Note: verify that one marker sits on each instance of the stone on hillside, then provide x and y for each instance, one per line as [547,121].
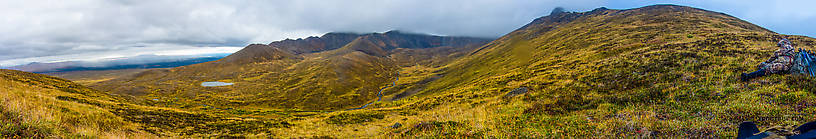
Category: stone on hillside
[396,125]
[517,91]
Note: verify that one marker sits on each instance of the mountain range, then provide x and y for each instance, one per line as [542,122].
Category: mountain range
[661,71]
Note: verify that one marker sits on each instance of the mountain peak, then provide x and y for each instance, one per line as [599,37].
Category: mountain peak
[557,10]
[256,52]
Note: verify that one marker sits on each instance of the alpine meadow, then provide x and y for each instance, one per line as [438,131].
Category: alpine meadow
[658,71]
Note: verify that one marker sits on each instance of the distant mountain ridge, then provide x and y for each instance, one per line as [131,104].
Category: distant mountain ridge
[109,65]
[373,44]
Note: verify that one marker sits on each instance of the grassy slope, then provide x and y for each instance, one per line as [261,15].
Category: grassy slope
[33,105]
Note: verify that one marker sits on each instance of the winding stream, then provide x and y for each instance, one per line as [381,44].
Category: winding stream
[379,94]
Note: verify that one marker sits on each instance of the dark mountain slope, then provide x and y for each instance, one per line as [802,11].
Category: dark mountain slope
[329,41]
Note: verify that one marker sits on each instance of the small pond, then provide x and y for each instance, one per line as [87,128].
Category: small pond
[213,84]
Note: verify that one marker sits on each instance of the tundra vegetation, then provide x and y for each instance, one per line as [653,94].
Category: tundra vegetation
[656,71]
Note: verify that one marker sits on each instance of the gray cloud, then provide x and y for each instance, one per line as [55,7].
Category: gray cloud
[44,30]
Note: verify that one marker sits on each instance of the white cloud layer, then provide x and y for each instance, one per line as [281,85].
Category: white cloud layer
[54,30]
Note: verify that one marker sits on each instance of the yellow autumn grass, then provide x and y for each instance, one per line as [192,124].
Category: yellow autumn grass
[30,111]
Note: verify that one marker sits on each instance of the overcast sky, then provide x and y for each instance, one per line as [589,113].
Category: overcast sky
[57,30]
